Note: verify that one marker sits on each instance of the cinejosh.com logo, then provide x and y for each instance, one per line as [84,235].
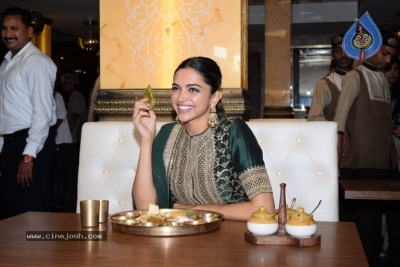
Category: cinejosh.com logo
[66,235]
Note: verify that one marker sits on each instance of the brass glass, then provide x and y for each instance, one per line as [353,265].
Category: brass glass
[90,213]
[103,213]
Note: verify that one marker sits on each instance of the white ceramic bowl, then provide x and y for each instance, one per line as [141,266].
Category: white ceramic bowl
[262,229]
[301,231]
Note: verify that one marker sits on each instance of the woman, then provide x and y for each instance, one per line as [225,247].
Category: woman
[206,160]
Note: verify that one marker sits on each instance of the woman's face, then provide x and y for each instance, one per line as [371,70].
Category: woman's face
[191,98]
[392,73]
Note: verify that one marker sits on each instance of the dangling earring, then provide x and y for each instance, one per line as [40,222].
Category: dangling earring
[212,118]
[177,119]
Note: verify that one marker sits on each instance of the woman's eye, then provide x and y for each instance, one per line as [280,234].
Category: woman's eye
[193,90]
[174,88]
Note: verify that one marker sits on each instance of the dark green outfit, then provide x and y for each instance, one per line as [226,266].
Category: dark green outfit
[222,165]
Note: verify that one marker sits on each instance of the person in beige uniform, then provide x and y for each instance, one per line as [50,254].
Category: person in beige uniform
[327,90]
[364,108]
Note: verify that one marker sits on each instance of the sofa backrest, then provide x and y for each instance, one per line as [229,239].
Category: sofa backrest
[300,154]
[108,158]
[303,155]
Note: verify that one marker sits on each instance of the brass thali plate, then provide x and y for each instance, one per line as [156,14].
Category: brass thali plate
[199,221]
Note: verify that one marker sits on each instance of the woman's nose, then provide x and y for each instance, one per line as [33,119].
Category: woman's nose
[182,96]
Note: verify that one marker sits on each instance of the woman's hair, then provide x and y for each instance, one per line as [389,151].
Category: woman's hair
[26,17]
[210,72]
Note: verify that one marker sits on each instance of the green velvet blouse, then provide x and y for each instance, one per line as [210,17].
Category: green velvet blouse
[222,165]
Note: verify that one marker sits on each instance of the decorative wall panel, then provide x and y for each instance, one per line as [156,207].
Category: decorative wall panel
[277,59]
[143,41]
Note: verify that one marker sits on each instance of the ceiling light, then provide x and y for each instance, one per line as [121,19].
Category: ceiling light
[37,21]
[89,41]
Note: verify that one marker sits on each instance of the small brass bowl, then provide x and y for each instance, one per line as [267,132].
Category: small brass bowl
[119,218]
[179,219]
[131,214]
[130,222]
[208,215]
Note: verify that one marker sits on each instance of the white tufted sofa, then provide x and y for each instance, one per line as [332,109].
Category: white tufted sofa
[300,154]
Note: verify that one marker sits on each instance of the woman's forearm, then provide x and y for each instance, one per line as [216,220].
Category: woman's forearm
[143,190]
[238,211]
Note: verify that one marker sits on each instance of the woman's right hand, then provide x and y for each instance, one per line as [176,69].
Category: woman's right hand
[144,119]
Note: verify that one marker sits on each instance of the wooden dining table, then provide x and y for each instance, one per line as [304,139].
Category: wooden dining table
[370,189]
[340,246]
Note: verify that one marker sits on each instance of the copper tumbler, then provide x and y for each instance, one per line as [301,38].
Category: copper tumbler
[103,215]
[90,213]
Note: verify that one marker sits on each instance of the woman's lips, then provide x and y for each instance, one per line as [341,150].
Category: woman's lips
[185,108]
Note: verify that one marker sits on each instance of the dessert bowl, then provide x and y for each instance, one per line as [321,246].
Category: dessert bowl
[300,224]
[262,228]
[262,222]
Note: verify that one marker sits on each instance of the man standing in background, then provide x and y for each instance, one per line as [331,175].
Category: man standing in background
[27,110]
[327,90]
[75,109]
[76,103]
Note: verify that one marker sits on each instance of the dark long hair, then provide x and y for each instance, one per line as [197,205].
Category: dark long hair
[210,72]
[26,17]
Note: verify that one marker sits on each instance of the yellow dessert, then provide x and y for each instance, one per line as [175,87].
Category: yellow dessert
[177,213]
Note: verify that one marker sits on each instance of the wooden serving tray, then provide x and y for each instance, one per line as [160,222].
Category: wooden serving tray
[282,239]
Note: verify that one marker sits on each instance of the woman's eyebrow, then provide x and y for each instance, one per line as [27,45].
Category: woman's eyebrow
[187,85]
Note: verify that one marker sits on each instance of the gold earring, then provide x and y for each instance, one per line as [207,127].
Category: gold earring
[212,118]
[177,119]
